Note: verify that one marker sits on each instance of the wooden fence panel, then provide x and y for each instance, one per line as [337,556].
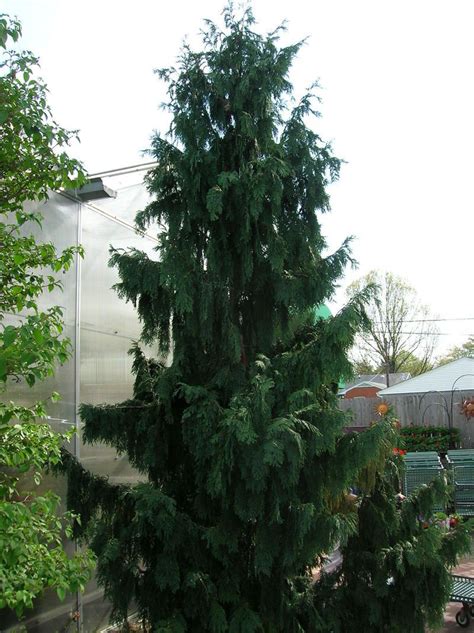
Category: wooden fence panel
[432,409]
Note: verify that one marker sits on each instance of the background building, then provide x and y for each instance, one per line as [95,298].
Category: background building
[368,385]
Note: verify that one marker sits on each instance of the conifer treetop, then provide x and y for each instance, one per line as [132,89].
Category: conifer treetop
[238,187]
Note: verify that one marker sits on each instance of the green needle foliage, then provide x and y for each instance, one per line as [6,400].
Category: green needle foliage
[394,577]
[32,161]
[239,440]
[395,574]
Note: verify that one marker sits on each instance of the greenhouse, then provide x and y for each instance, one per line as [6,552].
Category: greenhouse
[102,328]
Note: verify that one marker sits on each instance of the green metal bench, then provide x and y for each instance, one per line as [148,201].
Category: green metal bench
[463,480]
[462,591]
[421,455]
[425,463]
[422,458]
[428,459]
[460,457]
[413,478]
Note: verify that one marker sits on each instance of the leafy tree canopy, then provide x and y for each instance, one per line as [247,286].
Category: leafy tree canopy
[33,160]
[461,351]
[411,364]
[364,366]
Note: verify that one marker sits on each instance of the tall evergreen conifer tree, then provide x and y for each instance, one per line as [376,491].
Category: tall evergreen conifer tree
[239,440]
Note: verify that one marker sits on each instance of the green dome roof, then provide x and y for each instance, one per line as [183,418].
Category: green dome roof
[322,312]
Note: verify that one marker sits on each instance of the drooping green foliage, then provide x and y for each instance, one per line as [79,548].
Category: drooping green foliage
[32,161]
[245,468]
[394,576]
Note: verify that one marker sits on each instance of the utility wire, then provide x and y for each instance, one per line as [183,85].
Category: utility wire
[431,320]
[428,333]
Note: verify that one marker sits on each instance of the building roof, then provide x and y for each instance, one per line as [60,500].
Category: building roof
[373,380]
[322,312]
[458,375]
[366,383]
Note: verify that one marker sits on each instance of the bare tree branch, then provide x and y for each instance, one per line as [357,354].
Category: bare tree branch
[399,338]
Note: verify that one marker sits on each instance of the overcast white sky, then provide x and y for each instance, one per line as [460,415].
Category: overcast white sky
[398,104]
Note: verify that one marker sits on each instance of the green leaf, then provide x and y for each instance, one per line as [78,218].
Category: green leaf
[3,369]
[9,335]
[38,336]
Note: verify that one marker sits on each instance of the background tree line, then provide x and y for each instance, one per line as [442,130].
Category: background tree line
[403,334]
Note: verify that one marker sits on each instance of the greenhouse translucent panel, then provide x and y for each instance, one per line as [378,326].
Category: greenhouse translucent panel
[108,327]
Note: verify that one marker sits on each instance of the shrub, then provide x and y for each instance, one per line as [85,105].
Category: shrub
[429,438]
